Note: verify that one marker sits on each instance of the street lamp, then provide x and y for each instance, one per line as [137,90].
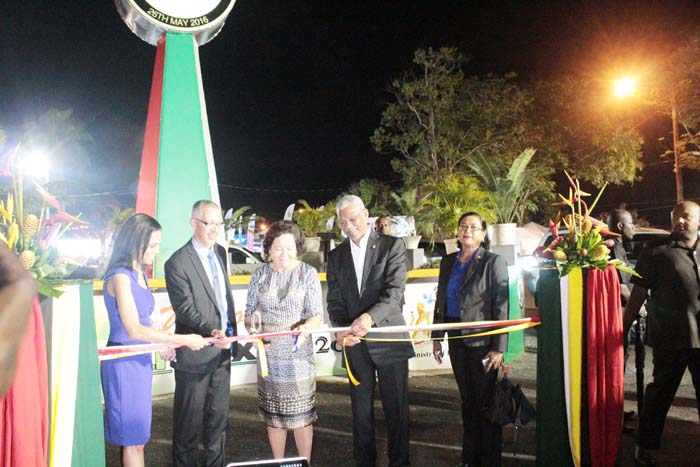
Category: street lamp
[676,150]
[625,87]
[36,165]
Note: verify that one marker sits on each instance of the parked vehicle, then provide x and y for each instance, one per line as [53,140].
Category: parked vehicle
[243,261]
[433,252]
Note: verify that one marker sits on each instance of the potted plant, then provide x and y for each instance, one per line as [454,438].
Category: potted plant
[411,205]
[508,194]
[449,198]
[312,221]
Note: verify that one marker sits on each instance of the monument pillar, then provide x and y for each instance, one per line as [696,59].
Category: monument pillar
[177,164]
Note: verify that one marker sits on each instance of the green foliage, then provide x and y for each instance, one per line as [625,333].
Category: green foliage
[509,193]
[312,220]
[235,215]
[449,198]
[375,194]
[576,126]
[409,202]
[65,139]
[681,85]
[119,216]
[439,118]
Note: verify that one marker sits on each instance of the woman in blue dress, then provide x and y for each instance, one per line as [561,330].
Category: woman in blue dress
[126,382]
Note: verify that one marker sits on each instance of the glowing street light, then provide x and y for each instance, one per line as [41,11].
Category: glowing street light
[625,86]
[36,165]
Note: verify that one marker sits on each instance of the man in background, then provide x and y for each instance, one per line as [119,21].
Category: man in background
[620,222]
[668,270]
[383,225]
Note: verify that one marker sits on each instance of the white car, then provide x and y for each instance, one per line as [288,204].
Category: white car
[242,260]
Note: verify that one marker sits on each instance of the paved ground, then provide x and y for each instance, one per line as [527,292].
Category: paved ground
[435,425]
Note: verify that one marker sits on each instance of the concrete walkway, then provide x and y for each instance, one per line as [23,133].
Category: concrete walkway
[435,425]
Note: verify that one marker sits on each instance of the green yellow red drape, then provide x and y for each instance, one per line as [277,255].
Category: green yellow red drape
[77,433]
[580,372]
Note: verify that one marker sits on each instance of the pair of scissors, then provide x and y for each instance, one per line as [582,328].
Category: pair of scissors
[255,322]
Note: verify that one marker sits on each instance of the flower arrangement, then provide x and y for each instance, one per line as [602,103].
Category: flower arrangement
[34,237]
[583,245]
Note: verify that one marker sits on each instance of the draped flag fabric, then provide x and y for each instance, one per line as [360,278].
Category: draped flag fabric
[24,409]
[77,433]
[572,323]
[604,357]
[553,449]
[588,370]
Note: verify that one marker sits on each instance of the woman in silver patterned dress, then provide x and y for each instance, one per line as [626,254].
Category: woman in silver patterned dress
[287,294]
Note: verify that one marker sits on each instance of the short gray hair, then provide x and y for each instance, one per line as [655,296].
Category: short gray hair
[201,204]
[349,200]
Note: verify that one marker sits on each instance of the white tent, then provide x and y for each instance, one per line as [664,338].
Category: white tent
[528,237]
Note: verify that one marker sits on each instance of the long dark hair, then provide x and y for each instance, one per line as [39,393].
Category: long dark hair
[132,240]
[487,241]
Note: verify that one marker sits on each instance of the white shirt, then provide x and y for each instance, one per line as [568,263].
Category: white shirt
[358,258]
[203,253]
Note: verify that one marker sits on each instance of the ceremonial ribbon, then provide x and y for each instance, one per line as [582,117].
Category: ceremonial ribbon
[119,351]
[113,352]
[511,328]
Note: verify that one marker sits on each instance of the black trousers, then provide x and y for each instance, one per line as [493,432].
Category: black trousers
[481,440]
[393,386]
[669,366]
[201,401]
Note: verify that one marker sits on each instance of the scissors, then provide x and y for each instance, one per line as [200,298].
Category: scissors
[256,322]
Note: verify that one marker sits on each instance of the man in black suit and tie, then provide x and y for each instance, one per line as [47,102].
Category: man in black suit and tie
[200,294]
[366,277]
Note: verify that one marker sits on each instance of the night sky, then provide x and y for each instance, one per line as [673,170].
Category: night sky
[295,89]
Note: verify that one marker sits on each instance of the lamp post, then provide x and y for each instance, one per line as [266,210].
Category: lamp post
[625,87]
[676,149]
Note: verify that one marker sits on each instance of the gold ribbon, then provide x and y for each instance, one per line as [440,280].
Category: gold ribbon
[503,330]
[262,358]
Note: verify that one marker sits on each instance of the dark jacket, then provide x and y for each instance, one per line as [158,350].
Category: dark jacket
[668,271]
[196,312]
[383,284]
[483,295]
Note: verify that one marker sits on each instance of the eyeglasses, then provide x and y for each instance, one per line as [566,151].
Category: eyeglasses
[216,225]
[469,228]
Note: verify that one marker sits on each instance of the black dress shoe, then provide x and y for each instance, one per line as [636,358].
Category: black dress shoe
[642,458]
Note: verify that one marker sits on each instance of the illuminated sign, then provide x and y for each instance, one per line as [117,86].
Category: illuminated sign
[151,19]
